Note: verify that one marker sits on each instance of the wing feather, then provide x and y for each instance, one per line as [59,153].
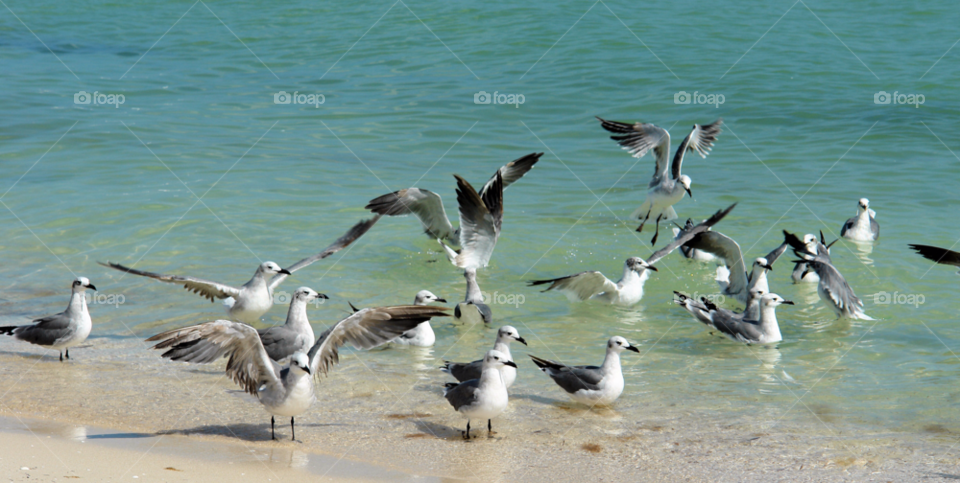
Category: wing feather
[204,288]
[355,232]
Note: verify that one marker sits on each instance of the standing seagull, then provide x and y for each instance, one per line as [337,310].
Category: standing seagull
[736,326]
[833,288]
[862,227]
[296,334]
[62,331]
[248,302]
[667,186]
[939,255]
[733,279]
[421,335]
[464,371]
[629,290]
[592,385]
[428,206]
[286,391]
[483,398]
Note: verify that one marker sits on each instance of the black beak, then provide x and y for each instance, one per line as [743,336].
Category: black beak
[633,348]
[441,300]
[322,296]
[788,302]
[689,193]
[510,363]
[768,267]
[651,267]
[306,369]
[284,271]
[520,340]
[90,286]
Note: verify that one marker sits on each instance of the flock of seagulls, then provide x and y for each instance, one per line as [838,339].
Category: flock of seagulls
[281,365]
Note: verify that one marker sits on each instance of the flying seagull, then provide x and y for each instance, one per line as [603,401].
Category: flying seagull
[286,391]
[592,385]
[864,226]
[667,186]
[62,331]
[737,326]
[629,290]
[248,302]
[428,206]
[464,371]
[483,398]
[421,335]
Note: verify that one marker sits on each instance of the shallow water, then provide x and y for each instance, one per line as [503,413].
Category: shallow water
[803,140]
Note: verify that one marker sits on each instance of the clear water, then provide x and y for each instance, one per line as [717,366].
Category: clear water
[803,140]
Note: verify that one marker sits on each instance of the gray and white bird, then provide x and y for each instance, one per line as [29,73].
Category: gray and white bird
[287,391]
[833,289]
[483,398]
[692,253]
[591,385]
[629,289]
[938,255]
[464,371]
[428,206]
[740,327]
[421,335]
[62,331]
[800,273]
[667,186]
[864,226]
[296,334]
[733,278]
[248,302]
[473,309]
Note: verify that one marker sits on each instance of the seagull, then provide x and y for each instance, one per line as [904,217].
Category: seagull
[62,331]
[738,326]
[667,185]
[286,391]
[421,335]
[592,385]
[473,309]
[480,221]
[693,253]
[939,255]
[800,272]
[733,279]
[629,290]
[296,335]
[248,302]
[483,398]
[428,206]
[832,288]
[464,371]
[864,226]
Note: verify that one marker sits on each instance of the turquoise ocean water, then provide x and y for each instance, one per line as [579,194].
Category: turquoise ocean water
[803,140]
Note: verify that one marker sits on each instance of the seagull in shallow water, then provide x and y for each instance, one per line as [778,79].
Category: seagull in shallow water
[733,278]
[629,290]
[833,289]
[592,385]
[421,335]
[464,371]
[296,334]
[667,186]
[938,255]
[248,302]
[428,206]
[812,245]
[286,391]
[483,398]
[62,331]
[864,226]
[739,326]
[473,310]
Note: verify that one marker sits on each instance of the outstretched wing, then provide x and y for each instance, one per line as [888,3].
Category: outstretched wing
[248,363]
[512,171]
[480,220]
[689,233]
[425,204]
[939,255]
[639,138]
[367,328]
[724,247]
[579,287]
[344,241]
[205,288]
[700,140]
[775,254]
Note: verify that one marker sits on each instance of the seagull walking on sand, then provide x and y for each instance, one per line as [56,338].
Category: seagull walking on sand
[421,335]
[864,226]
[591,385]
[286,391]
[464,371]
[629,290]
[667,186]
[483,398]
[62,331]
[248,302]
[739,326]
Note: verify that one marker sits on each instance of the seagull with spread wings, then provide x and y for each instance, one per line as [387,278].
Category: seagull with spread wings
[287,391]
[733,278]
[667,186]
[428,206]
[629,290]
[833,289]
[248,302]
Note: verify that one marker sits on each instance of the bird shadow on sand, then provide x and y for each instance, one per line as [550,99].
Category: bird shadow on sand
[429,429]
[33,355]
[244,431]
[121,436]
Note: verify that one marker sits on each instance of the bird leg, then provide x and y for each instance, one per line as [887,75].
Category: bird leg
[68,353]
[657,230]
[640,228]
[273,434]
[293,435]
[61,357]
[466,434]
[490,429]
